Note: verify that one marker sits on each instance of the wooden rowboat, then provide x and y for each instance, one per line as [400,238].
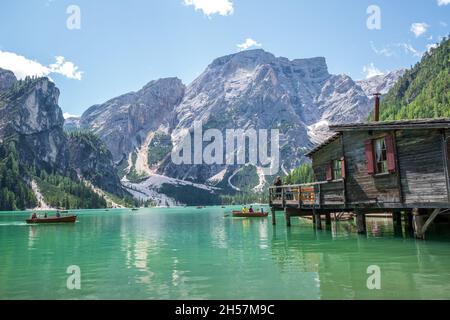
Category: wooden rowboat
[239,214]
[68,219]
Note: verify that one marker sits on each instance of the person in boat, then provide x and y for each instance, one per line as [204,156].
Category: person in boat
[278,183]
[58,214]
[45,215]
[34,216]
[261,211]
[244,210]
[251,210]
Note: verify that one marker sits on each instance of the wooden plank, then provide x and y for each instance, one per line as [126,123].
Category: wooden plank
[446,158]
[397,173]
[344,191]
[422,166]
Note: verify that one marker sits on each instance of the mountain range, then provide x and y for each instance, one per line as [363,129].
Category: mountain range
[247,90]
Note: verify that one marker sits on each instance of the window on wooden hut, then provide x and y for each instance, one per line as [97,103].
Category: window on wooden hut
[337,169]
[381,156]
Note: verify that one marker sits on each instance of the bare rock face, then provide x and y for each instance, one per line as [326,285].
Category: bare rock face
[92,161]
[7,79]
[381,83]
[124,122]
[29,113]
[72,124]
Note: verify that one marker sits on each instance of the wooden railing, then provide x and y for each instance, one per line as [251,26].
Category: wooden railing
[312,195]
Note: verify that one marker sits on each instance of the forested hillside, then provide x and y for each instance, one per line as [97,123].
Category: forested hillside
[424,90]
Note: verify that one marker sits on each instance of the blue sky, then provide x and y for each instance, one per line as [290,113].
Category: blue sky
[121,45]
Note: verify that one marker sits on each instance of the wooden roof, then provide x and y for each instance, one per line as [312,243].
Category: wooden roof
[323,144]
[392,125]
[443,123]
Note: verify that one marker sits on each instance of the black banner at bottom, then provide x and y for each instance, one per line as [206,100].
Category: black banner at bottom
[219,309]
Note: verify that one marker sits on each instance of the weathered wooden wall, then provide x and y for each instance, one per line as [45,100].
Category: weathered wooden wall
[362,187]
[421,161]
[447,135]
[332,193]
[321,158]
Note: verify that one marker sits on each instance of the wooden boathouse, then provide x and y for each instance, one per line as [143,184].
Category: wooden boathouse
[399,167]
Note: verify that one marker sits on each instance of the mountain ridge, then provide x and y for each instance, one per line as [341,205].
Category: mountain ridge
[247,90]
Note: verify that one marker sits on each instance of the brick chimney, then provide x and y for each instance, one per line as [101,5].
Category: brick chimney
[376,112]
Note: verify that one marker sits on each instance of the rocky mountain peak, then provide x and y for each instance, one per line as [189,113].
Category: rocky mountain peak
[7,79]
[311,68]
[244,58]
[125,122]
[381,83]
[29,112]
[168,90]
[34,106]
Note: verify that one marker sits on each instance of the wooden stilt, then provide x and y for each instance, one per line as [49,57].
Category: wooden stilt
[361,223]
[328,219]
[409,229]
[318,219]
[397,222]
[418,222]
[274,219]
[288,218]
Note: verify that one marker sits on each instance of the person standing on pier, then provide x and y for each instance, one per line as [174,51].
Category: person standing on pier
[278,183]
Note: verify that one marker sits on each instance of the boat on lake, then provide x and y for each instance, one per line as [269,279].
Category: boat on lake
[67,219]
[135,209]
[240,214]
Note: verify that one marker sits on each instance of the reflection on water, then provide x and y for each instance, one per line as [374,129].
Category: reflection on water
[187,254]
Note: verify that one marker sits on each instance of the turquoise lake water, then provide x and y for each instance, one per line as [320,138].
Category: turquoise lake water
[189,253]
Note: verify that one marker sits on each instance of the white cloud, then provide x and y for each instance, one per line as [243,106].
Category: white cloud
[443,24]
[23,67]
[387,51]
[65,68]
[371,71]
[396,50]
[68,115]
[249,43]
[419,28]
[211,7]
[443,2]
[410,49]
